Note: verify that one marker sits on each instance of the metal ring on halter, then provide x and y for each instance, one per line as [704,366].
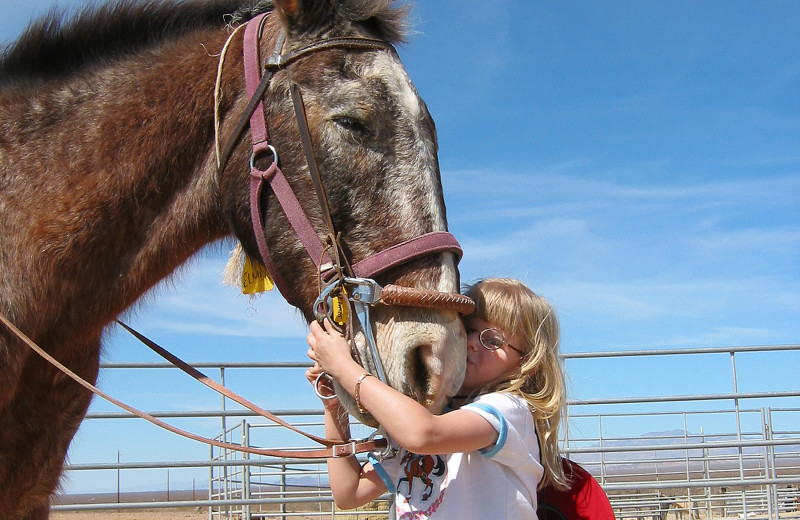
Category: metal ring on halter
[322,306]
[387,451]
[274,156]
[321,310]
[316,387]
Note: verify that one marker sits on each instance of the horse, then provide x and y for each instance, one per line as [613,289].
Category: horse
[109,180]
[422,467]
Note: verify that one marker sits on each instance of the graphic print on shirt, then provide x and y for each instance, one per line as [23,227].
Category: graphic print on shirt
[430,470]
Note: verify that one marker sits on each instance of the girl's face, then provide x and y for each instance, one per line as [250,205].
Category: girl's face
[485,365]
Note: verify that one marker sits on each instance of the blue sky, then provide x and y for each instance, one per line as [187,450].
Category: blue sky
[638,163]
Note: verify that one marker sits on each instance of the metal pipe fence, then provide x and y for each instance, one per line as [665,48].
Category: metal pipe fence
[723,452]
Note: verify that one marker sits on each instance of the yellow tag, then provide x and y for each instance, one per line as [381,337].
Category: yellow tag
[339,309]
[255,278]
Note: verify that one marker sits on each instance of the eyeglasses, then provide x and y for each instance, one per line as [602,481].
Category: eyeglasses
[492,339]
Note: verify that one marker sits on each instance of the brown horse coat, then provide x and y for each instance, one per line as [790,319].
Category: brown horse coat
[108,182]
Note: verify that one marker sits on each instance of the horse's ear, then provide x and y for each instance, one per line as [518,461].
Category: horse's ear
[304,16]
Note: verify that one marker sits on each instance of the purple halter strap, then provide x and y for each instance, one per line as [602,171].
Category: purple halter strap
[426,244]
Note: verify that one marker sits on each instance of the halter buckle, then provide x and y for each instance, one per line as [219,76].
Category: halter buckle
[343,450]
[364,290]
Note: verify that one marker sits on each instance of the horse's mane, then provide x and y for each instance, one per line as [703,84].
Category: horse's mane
[53,47]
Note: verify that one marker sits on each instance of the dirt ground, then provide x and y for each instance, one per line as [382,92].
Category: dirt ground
[182,514]
[168,514]
[153,514]
[309,511]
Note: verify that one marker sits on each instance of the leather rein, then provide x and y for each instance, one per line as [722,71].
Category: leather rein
[353,283]
[330,448]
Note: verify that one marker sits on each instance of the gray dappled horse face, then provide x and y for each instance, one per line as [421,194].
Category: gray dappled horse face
[375,144]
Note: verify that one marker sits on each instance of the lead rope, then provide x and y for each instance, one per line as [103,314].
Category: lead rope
[190,370]
[332,449]
[217,91]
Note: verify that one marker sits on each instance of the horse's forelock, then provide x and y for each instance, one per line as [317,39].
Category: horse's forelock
[384,18]
[249,9]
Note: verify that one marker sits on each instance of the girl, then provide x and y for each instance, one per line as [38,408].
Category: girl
[487,456]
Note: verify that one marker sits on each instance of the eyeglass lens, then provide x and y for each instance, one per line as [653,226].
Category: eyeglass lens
[491,339]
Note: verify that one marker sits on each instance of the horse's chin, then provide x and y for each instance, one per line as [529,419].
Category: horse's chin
[423,355]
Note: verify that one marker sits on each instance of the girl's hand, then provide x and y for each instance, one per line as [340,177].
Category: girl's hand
[328,349]
[324,386]
[312,373]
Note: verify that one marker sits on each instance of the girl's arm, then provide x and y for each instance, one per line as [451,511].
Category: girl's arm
[406,421]
[351,484]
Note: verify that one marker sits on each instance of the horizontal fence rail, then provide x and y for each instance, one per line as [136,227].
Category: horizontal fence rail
[719,453]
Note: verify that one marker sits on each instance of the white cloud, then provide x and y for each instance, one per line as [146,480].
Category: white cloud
[196,301]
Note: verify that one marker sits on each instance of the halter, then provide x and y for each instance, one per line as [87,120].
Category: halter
[354,284]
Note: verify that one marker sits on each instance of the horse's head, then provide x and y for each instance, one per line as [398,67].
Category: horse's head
[375,146]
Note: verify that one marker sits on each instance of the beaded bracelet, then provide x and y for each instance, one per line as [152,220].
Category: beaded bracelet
[358,391]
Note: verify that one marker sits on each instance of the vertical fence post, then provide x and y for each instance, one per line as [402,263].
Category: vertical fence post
[211,482]
[246,494]
[739,431]
[283,491]
[768,488]
[769,455]
[689,470]
[706,468]
[602,453]
[224,451]
[118,492]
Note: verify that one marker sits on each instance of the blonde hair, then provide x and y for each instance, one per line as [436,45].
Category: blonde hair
[512,306]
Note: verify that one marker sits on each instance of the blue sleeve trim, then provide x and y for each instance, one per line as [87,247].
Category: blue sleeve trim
[491,451]
[382,473]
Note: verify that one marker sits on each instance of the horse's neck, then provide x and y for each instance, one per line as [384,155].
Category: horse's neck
[122,188]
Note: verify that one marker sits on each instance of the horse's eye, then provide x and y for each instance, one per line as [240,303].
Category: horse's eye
[351,124]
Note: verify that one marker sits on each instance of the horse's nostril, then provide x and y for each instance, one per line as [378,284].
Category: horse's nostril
[420,373]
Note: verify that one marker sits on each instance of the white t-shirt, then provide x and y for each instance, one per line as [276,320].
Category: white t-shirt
[498,482]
